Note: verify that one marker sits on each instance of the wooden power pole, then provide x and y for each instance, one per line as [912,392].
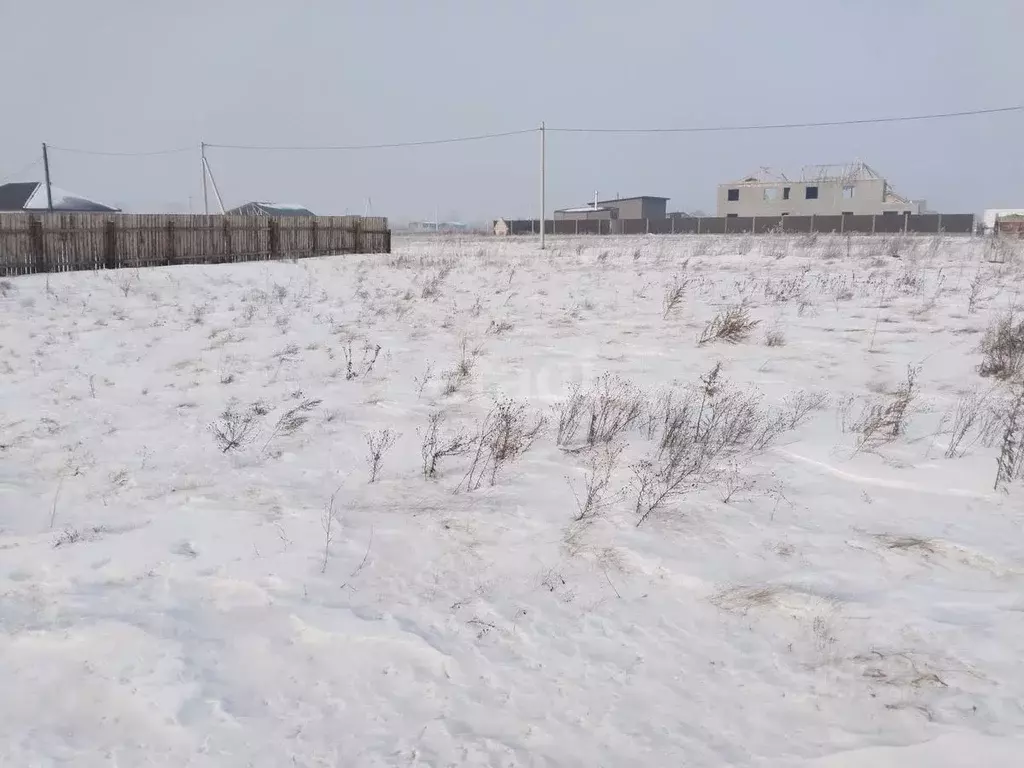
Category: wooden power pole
[46,176]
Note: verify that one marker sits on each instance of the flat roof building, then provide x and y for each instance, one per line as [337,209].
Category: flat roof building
[640,207]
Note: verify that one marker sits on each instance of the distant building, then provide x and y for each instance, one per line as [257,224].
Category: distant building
[1010,225]
[999,219]
[585,212]
[437,226]
[642,207]
[31,196]
[270,209]
[850,189]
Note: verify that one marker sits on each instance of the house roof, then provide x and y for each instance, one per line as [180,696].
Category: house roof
[263,208]
[844,172]
[31,196]
[628,199]
[14,196]
[582,209]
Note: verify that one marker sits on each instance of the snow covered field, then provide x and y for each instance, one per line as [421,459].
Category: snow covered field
[196,569]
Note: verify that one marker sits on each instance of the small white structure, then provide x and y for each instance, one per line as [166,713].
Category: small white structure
[501,228]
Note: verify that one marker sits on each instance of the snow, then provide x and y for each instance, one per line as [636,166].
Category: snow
[285,206]
[62,199]
[168,603]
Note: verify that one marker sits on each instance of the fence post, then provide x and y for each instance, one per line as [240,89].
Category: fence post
[357,236]
[873,217]
[814,228]
[699,220]
[110,244]
[274,237]
[906,223]
[938,225]
[842,223]
[226,230]
[37,245]
[169,251]
[314,238]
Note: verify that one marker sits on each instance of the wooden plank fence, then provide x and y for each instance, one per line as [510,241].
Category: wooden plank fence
[65,242]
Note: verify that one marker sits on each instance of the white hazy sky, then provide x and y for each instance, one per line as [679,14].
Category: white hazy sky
[127,75]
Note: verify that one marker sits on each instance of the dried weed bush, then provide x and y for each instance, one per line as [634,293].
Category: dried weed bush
[732,325]
[505,434]
[608,409]
[378,443]
[1002,348]
[234,428]
[1010,464]
[596,496]
[883,420]
[438,444]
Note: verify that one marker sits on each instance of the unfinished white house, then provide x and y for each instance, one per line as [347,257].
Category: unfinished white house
[853,189]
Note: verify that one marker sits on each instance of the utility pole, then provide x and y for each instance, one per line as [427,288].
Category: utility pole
[213,181]
[543,189]
[206,197]
[46,175]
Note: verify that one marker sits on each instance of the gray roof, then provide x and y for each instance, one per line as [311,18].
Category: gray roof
[31,196]
[270,209]
[635,197]
[14,196]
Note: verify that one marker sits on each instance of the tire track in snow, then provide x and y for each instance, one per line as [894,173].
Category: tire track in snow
[881,482]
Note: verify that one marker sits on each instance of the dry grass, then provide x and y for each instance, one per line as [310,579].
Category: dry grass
[885,419]
[1002,348]
[505,434]
[731,325]
[906,543]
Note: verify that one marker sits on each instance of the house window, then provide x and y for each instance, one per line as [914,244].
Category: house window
[888,213]
[734,195]
[785,214]
[848,192]
[847,213]
[772,194]
[731,215]
[785,193]
[811,193]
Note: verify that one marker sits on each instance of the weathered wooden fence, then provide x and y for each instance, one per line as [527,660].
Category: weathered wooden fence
[64,242]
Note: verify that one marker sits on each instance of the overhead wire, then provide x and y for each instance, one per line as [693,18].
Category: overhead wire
[26,169]
[101,153]
[391,145]
[550,129]
[782,126]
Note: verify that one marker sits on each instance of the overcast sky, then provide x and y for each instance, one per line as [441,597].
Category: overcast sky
[135,75]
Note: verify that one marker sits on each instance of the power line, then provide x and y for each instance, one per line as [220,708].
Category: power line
[152,153]
[356,147]
[781,126]
[504,134]
[26,169]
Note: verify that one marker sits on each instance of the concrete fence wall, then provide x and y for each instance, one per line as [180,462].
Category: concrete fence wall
[928,223]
